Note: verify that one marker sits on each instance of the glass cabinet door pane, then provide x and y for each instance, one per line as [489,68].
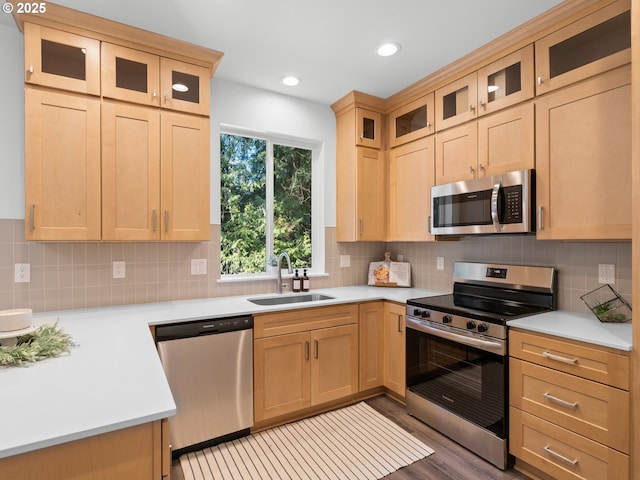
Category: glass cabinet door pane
[369,128]
[600,41]
[411,121]
[64,60]
[131,75]
[185,87]
[504,82]
[455,103]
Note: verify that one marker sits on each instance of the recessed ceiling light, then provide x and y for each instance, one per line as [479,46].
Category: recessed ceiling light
[291,81]
[180,87]
[388,49]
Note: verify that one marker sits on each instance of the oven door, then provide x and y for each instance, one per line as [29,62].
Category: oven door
[463,374]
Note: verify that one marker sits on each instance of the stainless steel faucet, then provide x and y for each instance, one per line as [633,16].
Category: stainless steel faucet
[279,284]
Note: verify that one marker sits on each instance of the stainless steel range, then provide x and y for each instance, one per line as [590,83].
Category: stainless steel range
[457,364]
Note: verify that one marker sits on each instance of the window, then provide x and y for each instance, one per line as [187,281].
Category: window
[266,203]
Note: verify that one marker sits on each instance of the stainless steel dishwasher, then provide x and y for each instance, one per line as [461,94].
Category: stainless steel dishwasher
[209,366]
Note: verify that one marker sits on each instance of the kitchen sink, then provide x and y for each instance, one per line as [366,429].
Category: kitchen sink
[280,300]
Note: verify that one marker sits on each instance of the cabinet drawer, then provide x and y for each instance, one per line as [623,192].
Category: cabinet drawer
[592,363]
[293,321]
[561,453]
[588,408]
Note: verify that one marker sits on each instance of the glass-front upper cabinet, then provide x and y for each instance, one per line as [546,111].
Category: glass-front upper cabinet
[368,128]
[594,44]
[412,121]
[506,81]
[184,86]
[61,60]
[130,75]
[456,102]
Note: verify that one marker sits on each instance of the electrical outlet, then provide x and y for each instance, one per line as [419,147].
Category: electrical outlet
[606,273]
[399,258]
[345,261]
[119,270]
[198,266]
[439,263]
[22,273]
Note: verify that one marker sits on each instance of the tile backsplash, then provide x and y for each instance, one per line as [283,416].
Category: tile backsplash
[79,275]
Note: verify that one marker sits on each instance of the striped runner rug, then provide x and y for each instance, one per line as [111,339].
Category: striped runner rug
[351,443]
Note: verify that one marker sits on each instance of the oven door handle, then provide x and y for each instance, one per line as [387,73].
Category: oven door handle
[487,345]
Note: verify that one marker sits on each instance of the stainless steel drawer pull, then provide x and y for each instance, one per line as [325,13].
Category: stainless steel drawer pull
[558,358]
[540,222]
[561,457]
[32,219]
[166,220]
[155,220]
[560,401]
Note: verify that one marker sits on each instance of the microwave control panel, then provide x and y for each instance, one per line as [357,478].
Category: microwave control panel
[512,204]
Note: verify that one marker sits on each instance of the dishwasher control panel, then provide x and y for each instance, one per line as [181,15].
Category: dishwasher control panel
[203,327]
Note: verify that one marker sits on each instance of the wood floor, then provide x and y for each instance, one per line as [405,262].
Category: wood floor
[449,462]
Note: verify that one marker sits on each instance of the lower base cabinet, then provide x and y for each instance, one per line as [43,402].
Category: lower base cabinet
[304,358]
[569,408]
[140,452]
[394,348]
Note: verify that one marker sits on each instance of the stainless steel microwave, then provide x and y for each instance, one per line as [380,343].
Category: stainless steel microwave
[494,204]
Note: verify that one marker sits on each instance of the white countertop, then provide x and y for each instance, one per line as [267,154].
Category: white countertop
[584,327]
[113,378]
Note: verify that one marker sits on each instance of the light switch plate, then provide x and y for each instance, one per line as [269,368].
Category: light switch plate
[345,261]
[119,269]
[198,266]
[439,263]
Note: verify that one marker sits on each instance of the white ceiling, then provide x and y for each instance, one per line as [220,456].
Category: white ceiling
[329,44]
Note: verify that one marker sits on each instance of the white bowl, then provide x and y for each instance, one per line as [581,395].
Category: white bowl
[17,319]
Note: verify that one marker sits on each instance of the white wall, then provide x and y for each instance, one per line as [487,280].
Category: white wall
[11,122]
[231,103]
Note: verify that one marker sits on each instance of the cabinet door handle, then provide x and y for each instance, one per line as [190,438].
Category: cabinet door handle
[307,348]
[561,457]
[316,345]
[558,358]
[483,104]
[428,124]
[560,401]
[399,323]
[361,226]
[32,218]
[481,167]
[540,218]
[154,220]
[155,93]
[471,169]
[166,220]
[539,80]
[472,108]
[166,97]
[31,68]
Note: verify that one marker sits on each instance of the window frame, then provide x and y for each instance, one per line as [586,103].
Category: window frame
[317,200]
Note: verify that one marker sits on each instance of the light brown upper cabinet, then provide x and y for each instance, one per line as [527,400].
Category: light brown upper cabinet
[62,166]
[583,160]
[130,75]
[368,128]
[594,44]
[457,102]
[501,142]
[412,121]
[411,175]
[54,58]
[506,82]
[498,85]
[140,77]
[361,172]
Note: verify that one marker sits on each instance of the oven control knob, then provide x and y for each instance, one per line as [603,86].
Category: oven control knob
[426,314]
[447,319]
[483,327]
[417,312]
[471,325]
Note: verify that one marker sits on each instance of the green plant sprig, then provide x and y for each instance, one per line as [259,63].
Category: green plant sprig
[46,342]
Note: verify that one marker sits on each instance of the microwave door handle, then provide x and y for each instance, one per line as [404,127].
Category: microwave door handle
[494,206]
